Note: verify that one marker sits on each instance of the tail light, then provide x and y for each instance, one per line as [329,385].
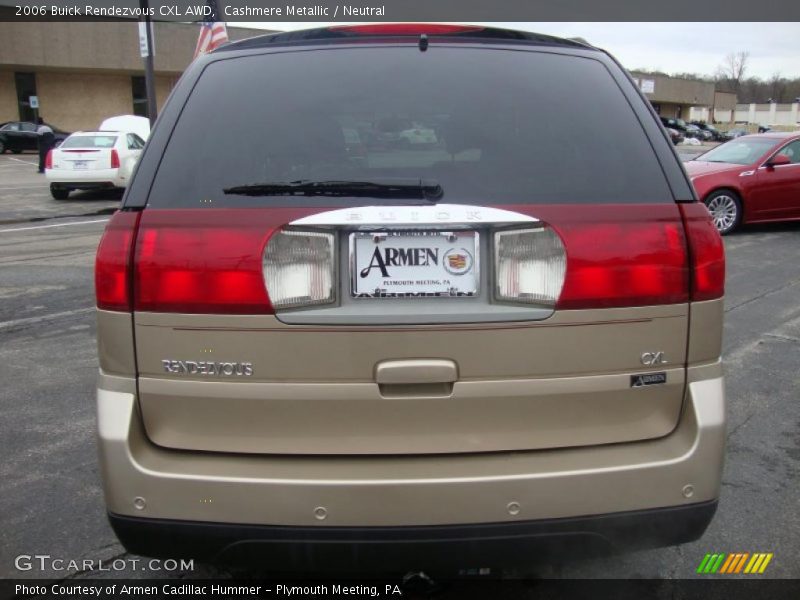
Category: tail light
[707,252]
[202,261]
[112,271]
[48,161]
[619,255]
[530,265]
[299,268]
[114,158]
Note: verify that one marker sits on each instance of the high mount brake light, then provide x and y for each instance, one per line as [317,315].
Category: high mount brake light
[406,29]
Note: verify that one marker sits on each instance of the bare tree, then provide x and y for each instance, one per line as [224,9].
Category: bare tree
[778,87]
[733,69]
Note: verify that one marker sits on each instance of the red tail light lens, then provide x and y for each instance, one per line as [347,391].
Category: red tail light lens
[202,261]
[114,159]
[620,255]
[48,161]
[406,29]
[707,252]
[112,271]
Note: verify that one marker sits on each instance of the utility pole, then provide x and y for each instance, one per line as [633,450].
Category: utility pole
[147,51]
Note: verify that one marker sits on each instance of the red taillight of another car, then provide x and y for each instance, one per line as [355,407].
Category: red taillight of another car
[707,252]
[112,272]
[48,161]
[114,158]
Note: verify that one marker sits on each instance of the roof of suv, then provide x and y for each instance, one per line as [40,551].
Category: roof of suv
[370,31]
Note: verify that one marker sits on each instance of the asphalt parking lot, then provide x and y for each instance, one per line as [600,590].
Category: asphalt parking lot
[52,502]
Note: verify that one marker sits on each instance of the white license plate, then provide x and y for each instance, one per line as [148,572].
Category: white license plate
[414,264]
[80,164]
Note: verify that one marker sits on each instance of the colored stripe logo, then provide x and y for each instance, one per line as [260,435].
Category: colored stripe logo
[735,563]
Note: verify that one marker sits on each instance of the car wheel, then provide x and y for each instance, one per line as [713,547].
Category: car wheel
[726,210]
[2,147]
[58,193]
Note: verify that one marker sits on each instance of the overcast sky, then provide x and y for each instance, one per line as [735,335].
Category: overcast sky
[669,47]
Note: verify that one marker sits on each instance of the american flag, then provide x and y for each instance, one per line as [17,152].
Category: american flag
[213,33]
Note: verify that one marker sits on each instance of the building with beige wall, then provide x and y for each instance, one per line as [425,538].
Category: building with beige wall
[674,96]
[85,72]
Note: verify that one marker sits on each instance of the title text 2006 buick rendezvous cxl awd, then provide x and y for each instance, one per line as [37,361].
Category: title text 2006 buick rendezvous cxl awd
[408,294]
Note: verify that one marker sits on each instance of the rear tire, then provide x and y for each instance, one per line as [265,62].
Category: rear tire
[725,207]
[58,193]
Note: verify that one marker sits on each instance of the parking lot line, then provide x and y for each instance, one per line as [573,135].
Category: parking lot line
[48,317]
[24,187]
[25,162]
[53,225]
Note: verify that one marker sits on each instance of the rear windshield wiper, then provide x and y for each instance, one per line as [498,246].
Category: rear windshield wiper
[406,188]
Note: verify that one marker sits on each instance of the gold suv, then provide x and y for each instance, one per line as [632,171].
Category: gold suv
[417,295]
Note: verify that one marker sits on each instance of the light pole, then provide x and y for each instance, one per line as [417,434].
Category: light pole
[149,77]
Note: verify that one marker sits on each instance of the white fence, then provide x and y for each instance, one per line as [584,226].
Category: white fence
[776,115]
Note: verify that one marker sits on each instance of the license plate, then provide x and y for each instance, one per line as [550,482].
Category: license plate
[80,164]
[414,264]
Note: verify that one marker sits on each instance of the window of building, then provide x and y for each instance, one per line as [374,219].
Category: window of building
[139,91]
[26,87]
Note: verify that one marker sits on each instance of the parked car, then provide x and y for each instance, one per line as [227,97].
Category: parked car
[402,359]
[736,133]
[712,132]
[92,160]
[676,136]
[752,179]
[674,123]
[418,135]
[18,136]
[693,131]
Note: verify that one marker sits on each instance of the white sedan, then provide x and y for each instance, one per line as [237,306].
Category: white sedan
[91,160]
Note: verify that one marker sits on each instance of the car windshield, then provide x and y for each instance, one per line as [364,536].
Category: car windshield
[742,151]
[479,122]
[89,141]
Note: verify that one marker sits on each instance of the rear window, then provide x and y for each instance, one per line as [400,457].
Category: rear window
[89,141]
[492,126]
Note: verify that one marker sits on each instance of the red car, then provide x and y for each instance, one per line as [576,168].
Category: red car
[751,179]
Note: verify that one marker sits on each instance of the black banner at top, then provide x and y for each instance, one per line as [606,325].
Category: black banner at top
[407,10]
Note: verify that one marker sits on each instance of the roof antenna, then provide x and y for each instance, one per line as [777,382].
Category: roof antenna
[423,42]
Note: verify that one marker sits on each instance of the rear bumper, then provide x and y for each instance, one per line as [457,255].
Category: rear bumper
[84,180]
[305,498]
[448,547]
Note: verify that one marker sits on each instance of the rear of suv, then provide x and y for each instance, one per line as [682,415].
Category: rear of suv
[330,348]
